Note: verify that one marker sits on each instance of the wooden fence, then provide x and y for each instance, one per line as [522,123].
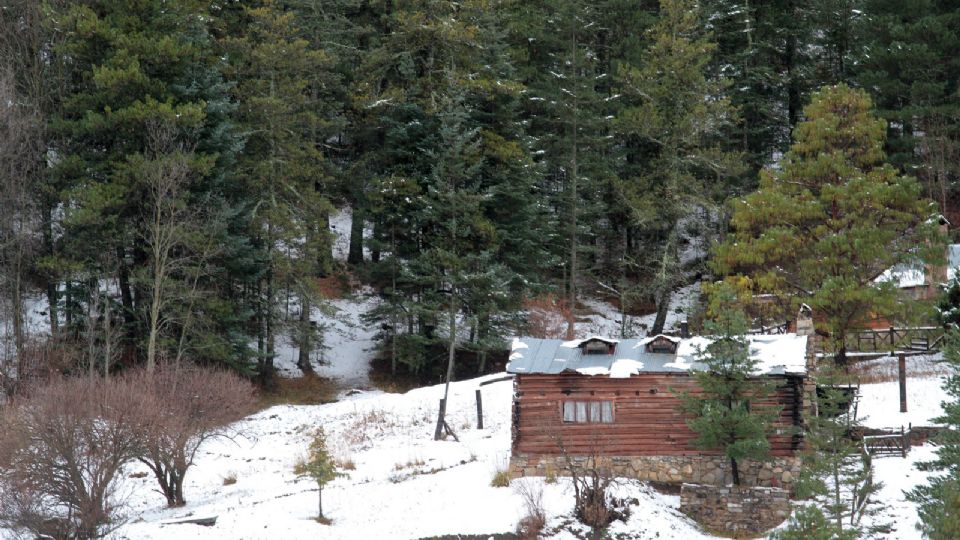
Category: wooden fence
[920,338]
[888,444]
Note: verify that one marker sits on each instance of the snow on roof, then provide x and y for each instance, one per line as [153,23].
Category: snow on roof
[775,355]
[646,340]
[573,344]
[904,275]
[914,274]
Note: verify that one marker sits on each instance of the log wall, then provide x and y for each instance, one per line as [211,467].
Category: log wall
[647,420]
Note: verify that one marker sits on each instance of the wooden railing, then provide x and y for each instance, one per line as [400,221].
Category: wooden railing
[920,338]
[771,329]
[890,444]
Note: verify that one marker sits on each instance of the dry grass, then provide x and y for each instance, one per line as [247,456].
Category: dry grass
[410,464]
[306,390]
[230,479]
[501,478]
[885,369]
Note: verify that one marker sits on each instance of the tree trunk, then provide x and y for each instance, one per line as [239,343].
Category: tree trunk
[320,502]
[123,276]
[154,322]
[451,355]
[306,338]
[663,305]
[572,298]
[52,293]
[375,249]
[355,253]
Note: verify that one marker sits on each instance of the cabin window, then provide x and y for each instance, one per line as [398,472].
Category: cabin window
[588,412]
[597,347]
[662,345]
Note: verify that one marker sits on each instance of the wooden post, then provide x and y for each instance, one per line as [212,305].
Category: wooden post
[902,373]
[907,442]
[893,339]
[440,420]
[479,410]
[903,442]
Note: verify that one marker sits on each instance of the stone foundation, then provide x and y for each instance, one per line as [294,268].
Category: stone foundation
[779,472]
[734,509]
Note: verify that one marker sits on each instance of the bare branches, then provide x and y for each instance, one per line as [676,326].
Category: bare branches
[61,450]
[187,406]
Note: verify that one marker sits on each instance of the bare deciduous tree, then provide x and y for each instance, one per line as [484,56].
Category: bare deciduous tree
[178,234]
[61,450]
[18,156]
[188,405]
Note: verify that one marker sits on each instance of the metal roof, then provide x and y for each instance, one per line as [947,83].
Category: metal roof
[775,354]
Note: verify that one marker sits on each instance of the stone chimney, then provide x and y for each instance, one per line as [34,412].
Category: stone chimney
[805,321]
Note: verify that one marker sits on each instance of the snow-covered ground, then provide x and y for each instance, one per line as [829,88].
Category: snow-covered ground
[348,342]
[879,405]
[407,486]
[605,319]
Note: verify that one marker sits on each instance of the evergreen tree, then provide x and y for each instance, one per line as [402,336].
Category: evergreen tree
[723,418]
[320,466]
[674,119]
[567,108]
[809,523]
[446,101]
[948,307]
[764,51]
[281,163]
[911,66]
[834,216]
[837,473]
[939,499]
[123,75]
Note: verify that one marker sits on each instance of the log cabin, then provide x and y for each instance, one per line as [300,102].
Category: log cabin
[617,399]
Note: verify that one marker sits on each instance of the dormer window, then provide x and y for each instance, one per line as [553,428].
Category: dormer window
[662,345]
[596,346]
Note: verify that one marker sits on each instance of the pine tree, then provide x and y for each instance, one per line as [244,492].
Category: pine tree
[764,51]
[123,75]
[320,466]
[809,523]
[723,418]
[567,108]
[444,100]
[948,307]
[910,64]
[673,122]
[939,499]
[834,216]
[281,163]
[837,472]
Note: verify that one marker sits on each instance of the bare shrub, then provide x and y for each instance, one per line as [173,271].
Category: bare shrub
[188,405]
[592,477]
[535,520]
[61,450]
